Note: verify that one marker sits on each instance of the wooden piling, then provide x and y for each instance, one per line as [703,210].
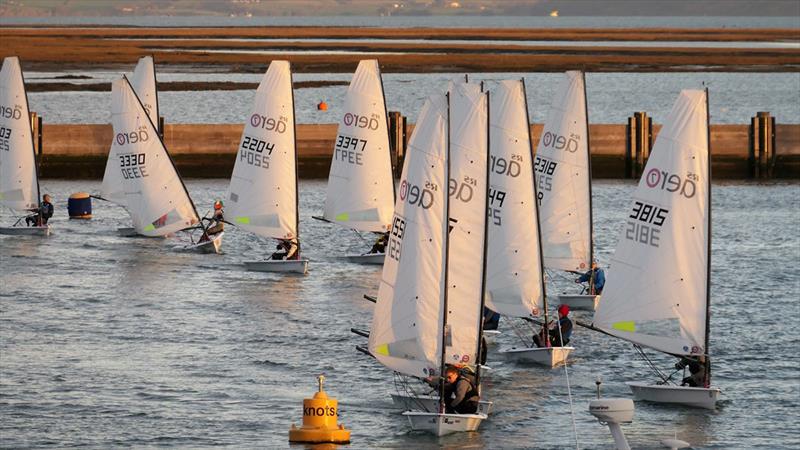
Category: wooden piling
[639,142]
[397,140]
[761,152]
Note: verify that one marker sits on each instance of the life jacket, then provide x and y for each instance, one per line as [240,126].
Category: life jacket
[472,394]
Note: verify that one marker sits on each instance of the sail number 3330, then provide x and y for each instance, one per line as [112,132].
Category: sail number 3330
[644,224]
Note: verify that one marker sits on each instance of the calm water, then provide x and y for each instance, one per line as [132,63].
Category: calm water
[107,341]
[423,21]
[612,97]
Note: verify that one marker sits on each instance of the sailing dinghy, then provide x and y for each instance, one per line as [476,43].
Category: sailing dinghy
[360,192]
[154,193]
[19,177]
[515,280]
[659,295]
[144,84]
[564,184]
[262,195]
[411,332]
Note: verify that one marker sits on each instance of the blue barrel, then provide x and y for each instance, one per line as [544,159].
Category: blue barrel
[79,206]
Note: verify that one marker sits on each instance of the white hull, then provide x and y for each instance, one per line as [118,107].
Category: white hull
[443,424]
[579,302]
[369,258]
[290,266]
[544,356]
[490,336]
[680,395]
[211,246]
[26,231]
[430,403]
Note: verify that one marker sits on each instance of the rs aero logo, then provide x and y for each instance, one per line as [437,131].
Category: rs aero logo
[559,142]
[671,182]
[11,113]
[354,120]
[268,123]
[415,195]
[132,137]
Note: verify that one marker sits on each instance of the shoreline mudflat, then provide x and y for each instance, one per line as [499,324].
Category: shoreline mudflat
[338,49]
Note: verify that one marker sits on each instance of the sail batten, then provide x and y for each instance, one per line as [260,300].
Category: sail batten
[19,183]
[563,179]
[360,177]
[657,292]
[262,196]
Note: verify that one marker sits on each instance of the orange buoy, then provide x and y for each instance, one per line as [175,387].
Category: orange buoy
[320,416]
[322,106]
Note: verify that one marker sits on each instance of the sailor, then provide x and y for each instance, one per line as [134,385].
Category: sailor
[380,244]
[697,371]
[42,214]
[559,334]
[287,249]
[491,319]
[596,278]
[460,394]
[216,224]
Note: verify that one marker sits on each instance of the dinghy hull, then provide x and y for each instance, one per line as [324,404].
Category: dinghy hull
[429,403]
[369,258]
[677,395]
[545,356]
[443,424]
[579,302]
[293,266]
[211,246]
[491,336]
[26,231]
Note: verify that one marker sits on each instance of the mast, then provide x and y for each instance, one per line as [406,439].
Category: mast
[386,116]
[589,173]
[36,160]
[183,185]
[296,175]
[446,222]
[158,111]
[707,381]
[485,248]
[536,208]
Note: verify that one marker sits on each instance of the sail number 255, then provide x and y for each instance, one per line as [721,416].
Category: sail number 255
[645,228]
[395,243]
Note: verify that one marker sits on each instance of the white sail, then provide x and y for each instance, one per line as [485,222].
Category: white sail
[469,153]
[406,331]
[562,173]
[514,267]
[360,191]
[263,190]
[656,294]
[154,193]
[143,82]
[19,186]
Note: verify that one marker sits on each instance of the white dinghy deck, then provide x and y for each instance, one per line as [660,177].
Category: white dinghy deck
[369,258]
[443,424]
[26,231]
[430,403]
[213,245]
[544,356]
[286,266]
[680,395]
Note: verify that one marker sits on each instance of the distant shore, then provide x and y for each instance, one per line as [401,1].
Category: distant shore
[335,50]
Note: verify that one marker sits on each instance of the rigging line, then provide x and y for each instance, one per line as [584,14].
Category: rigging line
[664,379]
[569,388]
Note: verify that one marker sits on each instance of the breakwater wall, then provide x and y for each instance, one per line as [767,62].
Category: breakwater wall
[761,149]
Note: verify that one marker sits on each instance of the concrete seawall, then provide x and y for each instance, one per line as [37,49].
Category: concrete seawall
[208,150]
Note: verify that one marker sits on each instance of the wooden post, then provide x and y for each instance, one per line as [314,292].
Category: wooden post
[761,154]
[639,141]
[397,140]
[161,127]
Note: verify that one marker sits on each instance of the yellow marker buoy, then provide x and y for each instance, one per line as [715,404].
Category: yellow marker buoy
[320,416]
[322,106]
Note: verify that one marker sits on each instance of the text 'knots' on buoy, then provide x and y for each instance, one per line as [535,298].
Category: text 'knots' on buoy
[79,206]
[320,415]
[322,106]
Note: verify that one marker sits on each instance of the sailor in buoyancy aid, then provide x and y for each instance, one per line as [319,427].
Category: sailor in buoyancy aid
[460,393]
